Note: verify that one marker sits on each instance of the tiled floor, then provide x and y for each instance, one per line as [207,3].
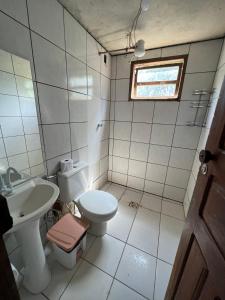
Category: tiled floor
[133,261]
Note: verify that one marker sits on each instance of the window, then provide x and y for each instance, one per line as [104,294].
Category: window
[157,79]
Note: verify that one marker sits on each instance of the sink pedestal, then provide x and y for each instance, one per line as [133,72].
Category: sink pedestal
[36,272]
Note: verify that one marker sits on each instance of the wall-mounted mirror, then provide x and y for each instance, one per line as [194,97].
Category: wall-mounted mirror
[20,145]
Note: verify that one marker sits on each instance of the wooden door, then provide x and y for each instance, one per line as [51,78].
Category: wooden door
[8,289]
[199,268]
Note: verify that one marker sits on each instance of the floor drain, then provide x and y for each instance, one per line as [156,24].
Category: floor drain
[134,204]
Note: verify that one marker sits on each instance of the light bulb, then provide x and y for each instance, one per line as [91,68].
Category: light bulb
[139,50]
[145,4]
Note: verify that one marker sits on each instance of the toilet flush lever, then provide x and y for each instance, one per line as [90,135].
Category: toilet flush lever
[50,177]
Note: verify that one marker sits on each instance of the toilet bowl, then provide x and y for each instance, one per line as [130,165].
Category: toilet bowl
[97,206]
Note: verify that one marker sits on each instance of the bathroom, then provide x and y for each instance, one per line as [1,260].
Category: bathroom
[69,101]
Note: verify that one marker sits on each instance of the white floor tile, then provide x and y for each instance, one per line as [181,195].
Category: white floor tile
[131,195]
[105,253]
[174,193]
[170,233]
[25,295]
[116,190]
[145,231]
[88,283]
[120,291]
[137,270]
[106,186]
[153,187]
[136,183]
[60,279]
[151,202]
[163,271]
[119,178]
[120,225]
[172,209]
[89,241]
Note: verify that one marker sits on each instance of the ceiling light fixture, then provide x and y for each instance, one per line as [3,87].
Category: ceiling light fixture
[139,50]
[145,4]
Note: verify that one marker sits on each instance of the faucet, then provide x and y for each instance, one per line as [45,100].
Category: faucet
[6,187]
[4,190]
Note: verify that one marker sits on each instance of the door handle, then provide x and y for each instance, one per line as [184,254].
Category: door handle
[205,156]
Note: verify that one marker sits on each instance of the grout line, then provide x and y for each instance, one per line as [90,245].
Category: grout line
[157,251]
[114,112]
[182,101]
[130,289]
[149,145]
[152,163]
[189,73]
[179,104]
[176,201]
[4,145]
[156,257]
[64,123]
[158,144]
[16,75]
[176,124]
[151,181]
[167,169]
[129,152]
[114,277]
[42,293]
[87,32]
[75,271]
[67,78]
[56,45]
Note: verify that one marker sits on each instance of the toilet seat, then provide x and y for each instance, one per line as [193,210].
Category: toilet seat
[98,206]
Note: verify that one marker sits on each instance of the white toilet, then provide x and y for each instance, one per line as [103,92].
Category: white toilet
[97,206]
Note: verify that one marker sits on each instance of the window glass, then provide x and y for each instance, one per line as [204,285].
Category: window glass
[158,74]
[156,90]
[159,79]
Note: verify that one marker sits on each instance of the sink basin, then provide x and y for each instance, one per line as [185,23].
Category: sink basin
[28,203]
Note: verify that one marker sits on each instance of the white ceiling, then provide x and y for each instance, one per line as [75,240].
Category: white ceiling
[167,22]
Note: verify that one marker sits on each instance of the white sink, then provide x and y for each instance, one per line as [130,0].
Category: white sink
[30,201]
[27,204]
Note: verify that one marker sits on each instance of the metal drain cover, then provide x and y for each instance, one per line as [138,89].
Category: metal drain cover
[134,204]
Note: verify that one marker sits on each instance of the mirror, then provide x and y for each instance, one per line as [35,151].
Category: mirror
[20,145]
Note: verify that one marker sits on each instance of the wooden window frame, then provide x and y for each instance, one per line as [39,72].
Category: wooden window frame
[179,60]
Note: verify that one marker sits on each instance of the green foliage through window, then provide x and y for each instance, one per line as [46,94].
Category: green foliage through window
[159,79]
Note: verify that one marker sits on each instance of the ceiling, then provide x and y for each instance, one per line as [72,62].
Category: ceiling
[167,22]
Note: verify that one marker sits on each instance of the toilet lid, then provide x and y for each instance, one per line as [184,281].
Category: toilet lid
[98,202]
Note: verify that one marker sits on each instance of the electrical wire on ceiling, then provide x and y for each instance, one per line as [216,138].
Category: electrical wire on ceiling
[132,43]
[138,46]
[132,34]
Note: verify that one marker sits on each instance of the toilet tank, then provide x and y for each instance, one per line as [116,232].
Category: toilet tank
[73,183]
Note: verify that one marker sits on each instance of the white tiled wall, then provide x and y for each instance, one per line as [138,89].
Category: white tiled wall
[218,80]
[71,80]
[151,146]
[72,87]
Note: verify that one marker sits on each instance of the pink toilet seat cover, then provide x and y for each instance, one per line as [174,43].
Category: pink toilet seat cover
[67,232]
